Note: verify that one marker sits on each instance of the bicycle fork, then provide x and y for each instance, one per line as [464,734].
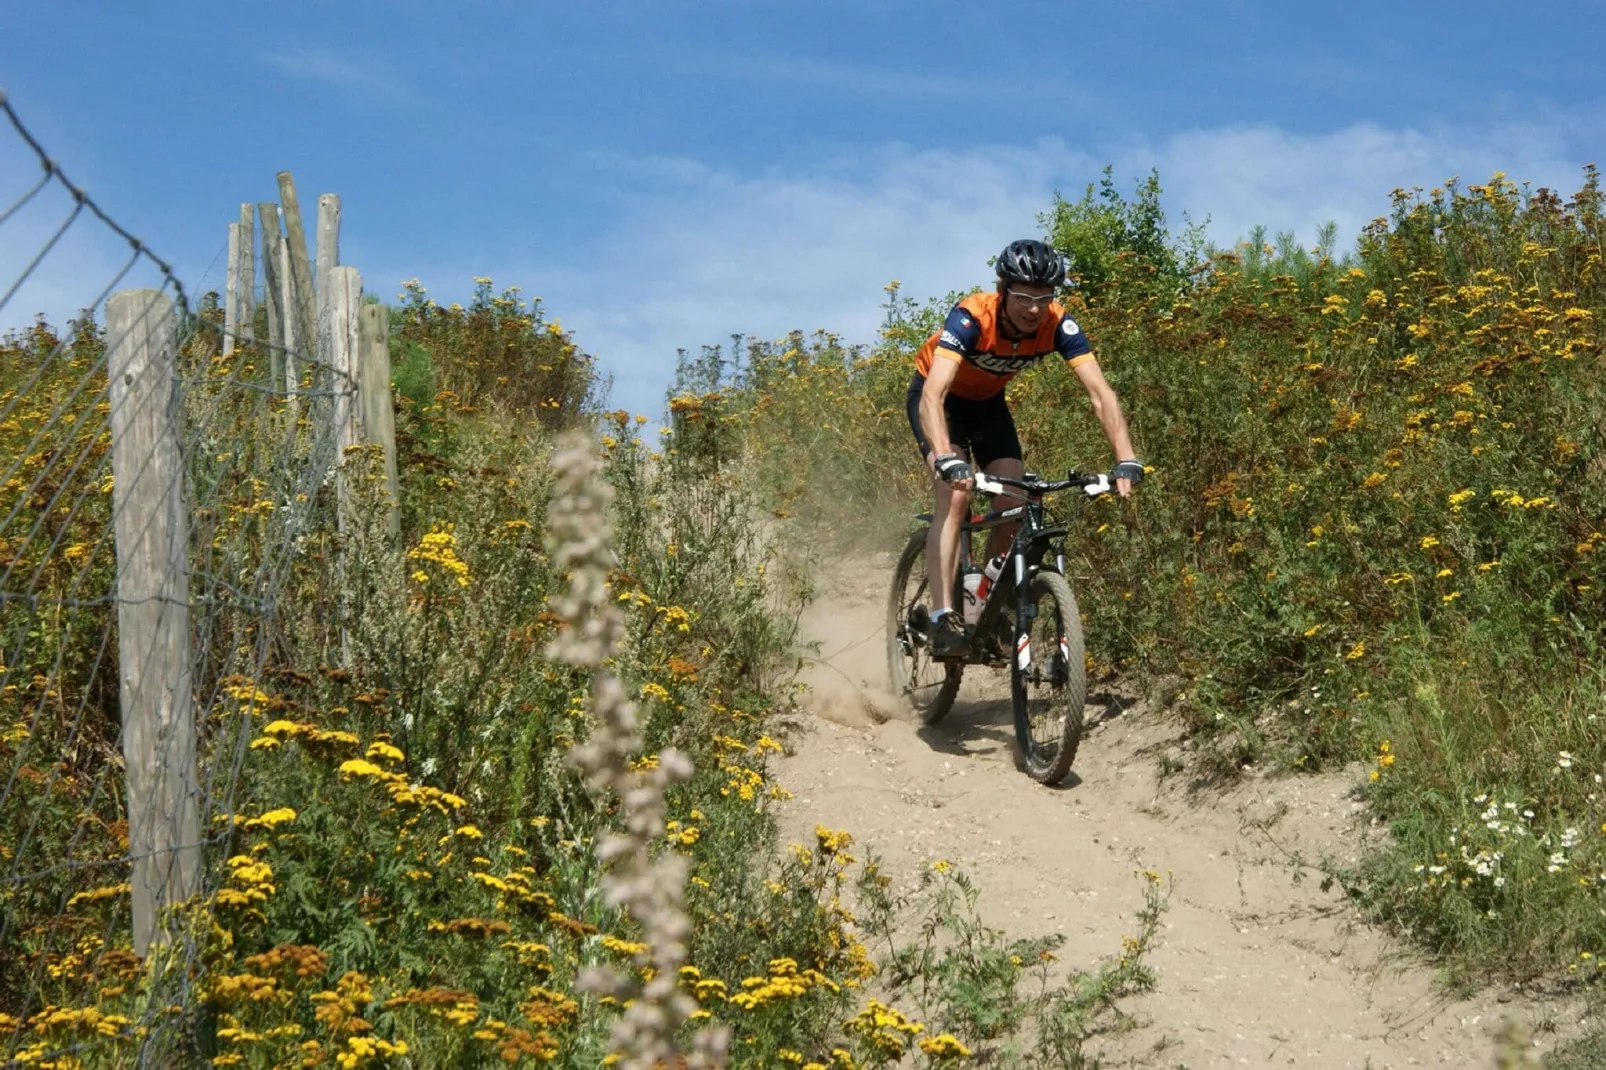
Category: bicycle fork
[1025,614]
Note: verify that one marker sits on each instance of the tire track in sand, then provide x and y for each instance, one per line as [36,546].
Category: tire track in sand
[1257,965]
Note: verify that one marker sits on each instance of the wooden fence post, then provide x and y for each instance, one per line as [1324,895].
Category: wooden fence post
[340,342]
[153,624]
[339,345]
[293,338]
[328,254]
[296,236]
[231,291]
[376,409]
[268,216]
[246,315]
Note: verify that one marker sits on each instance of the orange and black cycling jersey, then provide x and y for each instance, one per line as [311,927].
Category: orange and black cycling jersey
[988,360]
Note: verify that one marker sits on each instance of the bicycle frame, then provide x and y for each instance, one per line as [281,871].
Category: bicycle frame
[1034,538]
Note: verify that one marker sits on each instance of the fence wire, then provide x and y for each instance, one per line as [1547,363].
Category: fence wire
[257,453]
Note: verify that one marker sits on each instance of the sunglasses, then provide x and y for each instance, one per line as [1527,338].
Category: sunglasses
[1030,300]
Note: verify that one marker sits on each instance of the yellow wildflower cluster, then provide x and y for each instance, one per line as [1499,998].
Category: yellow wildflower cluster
[439,547]
[887,1029]
[403,791]
[283,815]
[784,982]
[1385,758]
[278,731]
[251,880]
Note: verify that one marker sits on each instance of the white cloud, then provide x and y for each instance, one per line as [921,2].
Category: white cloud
[324,66]
[1243,176]
[705,252]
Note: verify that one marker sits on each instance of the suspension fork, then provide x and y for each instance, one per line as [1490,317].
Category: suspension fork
[1023,615]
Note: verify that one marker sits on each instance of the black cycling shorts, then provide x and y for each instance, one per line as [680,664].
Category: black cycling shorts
[985,429]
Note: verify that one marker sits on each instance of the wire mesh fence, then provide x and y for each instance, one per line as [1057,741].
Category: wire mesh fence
[161,477]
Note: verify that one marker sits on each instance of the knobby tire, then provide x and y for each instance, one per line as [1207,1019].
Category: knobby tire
[1060,708]
[911,670]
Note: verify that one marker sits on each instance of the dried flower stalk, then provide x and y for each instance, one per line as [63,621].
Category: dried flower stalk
[578,541]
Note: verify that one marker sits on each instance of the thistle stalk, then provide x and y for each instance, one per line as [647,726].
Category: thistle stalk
[650,890]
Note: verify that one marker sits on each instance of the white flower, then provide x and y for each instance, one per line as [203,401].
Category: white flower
[1564,760]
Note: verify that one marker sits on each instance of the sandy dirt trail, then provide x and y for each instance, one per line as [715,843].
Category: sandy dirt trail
[1257,965]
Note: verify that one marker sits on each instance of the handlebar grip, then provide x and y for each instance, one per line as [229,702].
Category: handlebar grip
[1100,486]
[987,485]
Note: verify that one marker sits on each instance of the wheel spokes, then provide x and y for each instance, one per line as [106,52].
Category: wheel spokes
[1044,682]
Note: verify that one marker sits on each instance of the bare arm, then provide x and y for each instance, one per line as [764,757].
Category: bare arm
[1107,407]
[933,421]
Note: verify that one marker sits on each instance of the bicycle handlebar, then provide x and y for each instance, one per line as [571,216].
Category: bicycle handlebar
[1092,486]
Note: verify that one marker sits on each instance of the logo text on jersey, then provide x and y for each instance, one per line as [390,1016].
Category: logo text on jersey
[992,362]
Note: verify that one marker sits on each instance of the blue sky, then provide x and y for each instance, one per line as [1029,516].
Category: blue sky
[666,174]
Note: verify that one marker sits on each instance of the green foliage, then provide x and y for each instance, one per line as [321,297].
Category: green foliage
[1002,997]
[1369,471]
[1105,238]
[500,347]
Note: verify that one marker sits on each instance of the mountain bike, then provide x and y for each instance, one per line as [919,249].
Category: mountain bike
[1028,621]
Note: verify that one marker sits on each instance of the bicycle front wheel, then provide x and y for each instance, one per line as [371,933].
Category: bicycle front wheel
[927,685]
[1049,694]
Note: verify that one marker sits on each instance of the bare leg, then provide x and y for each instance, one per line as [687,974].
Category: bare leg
[998,538]
[942,541]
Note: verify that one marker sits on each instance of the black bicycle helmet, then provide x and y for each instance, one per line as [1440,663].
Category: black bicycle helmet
[1031,261]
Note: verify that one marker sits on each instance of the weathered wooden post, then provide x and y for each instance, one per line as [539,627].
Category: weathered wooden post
[376,409]
[246,315]
[326,256]
[340,346]
[231,291]
[328,238]
[151,530]
[268,215]
[341,342]
[299,274]
[239,298]
[293,338]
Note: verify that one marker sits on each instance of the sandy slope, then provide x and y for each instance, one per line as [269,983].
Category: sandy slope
[1257,965]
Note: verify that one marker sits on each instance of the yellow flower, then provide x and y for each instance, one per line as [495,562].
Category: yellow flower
[944,1045]
[272,819]
[381,749]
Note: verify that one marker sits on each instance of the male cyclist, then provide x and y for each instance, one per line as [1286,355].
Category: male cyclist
[960,417]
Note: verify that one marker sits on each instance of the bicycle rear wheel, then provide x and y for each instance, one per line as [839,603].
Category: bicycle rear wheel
[1049,695]
[929,686]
